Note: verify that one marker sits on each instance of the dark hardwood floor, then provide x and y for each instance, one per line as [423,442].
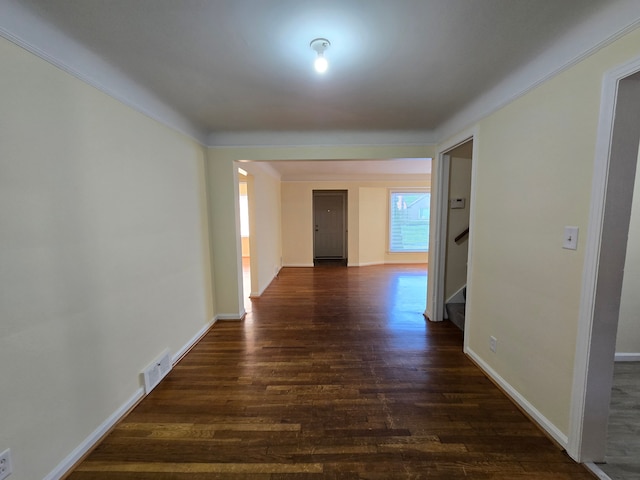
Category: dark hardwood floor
[333,374]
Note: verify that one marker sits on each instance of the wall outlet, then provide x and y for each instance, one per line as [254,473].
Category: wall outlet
[493,344]
[6,468]
[156,371]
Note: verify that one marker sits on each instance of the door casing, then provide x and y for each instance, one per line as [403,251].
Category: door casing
[330,228]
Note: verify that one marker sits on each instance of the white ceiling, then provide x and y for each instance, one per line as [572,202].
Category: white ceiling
[239,72]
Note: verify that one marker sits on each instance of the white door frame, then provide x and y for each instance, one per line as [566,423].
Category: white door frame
[597,321]
[344,195]
[439,211]
[437,243]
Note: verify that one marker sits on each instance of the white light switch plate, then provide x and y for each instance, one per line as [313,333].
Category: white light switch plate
[6,468]
[570,240]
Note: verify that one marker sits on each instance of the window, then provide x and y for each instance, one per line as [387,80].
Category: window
[409,213]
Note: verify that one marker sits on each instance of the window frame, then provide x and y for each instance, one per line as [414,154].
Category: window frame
[408,191]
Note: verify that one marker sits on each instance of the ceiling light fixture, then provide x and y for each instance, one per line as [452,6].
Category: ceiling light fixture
[319,45]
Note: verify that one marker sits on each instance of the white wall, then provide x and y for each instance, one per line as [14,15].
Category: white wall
[103,256]
[628,339]
[534,173]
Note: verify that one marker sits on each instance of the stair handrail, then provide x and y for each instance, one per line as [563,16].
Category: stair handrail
[462,235]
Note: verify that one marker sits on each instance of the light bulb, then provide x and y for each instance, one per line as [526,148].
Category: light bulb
[319,45]
[321,64]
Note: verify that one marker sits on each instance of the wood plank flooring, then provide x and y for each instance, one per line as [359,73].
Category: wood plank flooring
[334,374]
[623,439]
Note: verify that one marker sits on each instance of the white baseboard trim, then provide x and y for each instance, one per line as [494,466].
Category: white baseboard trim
[297,265]
[69,462]
[63,467]
[366,264]
[597,471]
[533,412]
[190,344]
[428,315]
[627,357]
[259,294]
[231,316]
[405,262]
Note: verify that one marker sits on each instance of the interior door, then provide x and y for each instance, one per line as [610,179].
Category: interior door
[329,222]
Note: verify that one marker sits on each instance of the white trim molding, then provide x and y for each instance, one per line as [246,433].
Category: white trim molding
[606,26]
[597,471]
[592,361]
[532,411]
[28,31]
[259,294]
[194,340]
[320,138]
[627,357]
[232,316]
[94,437]
[20,26]
[69,462]
[439,201]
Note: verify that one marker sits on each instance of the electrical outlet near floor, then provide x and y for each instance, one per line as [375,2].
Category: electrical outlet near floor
[493,344]
[6,468]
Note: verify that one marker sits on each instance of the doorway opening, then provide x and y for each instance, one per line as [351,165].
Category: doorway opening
[243,201]
[450,292]
[605,257]
[330,227]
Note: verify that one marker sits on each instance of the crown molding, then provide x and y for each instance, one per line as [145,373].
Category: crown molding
[609,24]
[320,138]
[357,177]
[23,28]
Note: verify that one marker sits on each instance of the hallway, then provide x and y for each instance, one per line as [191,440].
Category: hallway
[334,373]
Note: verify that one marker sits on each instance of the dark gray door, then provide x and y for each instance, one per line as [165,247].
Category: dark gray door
[330,226]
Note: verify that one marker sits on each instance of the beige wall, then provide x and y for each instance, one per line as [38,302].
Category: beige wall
[373,224]
[629,321]
[104,254]
[367,222]
[534,173]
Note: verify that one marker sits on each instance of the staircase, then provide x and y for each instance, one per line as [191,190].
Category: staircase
[456,311]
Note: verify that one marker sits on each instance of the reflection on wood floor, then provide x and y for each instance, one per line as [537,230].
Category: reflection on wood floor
[623,439]
[334,374]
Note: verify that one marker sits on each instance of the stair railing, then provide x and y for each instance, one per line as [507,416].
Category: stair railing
[464,234]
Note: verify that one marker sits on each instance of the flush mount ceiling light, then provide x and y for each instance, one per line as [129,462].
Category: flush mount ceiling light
[319,45]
